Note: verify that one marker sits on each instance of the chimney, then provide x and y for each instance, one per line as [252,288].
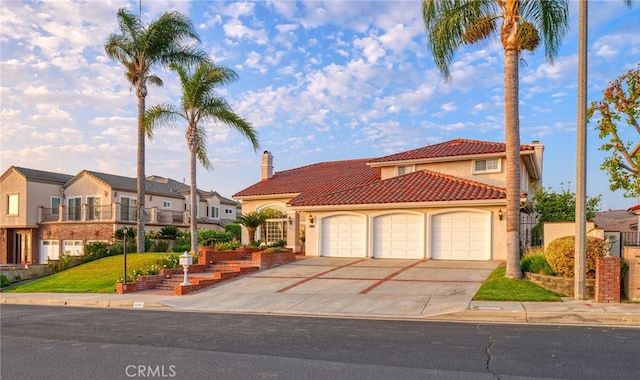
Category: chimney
[267,165]
[538,148]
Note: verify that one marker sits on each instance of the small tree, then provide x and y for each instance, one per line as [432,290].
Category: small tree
[252,221]
[620,107]
[560,207]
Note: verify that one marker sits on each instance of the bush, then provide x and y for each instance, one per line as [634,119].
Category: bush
[560,255]
[95,251]
[63,263]
[168,261]
[280,243]
[276,250]
[4,281]
[209,238]
[162,246]
[182,248]
[536,263]
[169,232]
[227,246]
[234,229]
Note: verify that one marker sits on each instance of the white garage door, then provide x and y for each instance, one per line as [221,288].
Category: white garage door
[398,236]
[49,250]
[460,235]
[343,236]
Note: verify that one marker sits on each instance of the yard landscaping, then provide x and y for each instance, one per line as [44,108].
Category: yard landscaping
[98,276]
[499,288]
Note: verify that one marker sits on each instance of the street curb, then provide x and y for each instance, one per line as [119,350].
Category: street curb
[94,303]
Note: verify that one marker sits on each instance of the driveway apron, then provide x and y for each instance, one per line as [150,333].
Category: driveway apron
[348,287]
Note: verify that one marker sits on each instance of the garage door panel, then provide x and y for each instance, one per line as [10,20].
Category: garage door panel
[343,236]
[459,235]
[398,236]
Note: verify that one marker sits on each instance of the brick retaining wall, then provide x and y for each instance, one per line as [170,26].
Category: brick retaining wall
[561,285]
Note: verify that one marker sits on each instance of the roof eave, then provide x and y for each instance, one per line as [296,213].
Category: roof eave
[407,205]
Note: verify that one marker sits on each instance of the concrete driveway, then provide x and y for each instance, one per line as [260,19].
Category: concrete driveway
[348,287]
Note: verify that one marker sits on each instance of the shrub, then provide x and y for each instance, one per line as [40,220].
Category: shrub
[227,246]
[560,255]
[280,243]
[536,263]
[169,232]
[168,261]
[276,250]
[162,246]
[95,251]
[63,263]
[211,237]
[4,281]
[182,248]
[234,229]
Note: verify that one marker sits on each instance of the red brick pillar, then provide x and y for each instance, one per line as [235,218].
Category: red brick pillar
[607,279]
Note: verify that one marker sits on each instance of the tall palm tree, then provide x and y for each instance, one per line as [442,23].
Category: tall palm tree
[519,24]
[139,48]
[200,102]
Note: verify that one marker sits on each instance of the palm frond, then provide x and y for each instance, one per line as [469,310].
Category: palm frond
[550,18]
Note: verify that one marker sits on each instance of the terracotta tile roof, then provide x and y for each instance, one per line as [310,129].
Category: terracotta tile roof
[421,186]
[457,147]
[315,180]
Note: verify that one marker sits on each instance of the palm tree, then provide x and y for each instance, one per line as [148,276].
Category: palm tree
[452,23]
[200,102]
[139,48]
[252,221]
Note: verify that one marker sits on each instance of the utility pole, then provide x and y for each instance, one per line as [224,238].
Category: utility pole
[581,160]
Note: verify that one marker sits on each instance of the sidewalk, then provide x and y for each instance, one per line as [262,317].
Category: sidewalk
[568,312]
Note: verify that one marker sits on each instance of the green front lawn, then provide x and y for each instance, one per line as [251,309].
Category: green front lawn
[98,276]
[499,288]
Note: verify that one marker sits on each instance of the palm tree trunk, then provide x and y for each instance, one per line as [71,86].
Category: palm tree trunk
[581,160]
[512,140]
[141,177]
[193,201]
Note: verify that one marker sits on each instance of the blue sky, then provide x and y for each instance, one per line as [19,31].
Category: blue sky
[319,80]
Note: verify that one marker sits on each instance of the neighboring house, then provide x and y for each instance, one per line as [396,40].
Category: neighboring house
[45,214]
[443,201]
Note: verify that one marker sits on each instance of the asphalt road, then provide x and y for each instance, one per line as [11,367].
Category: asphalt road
[40,342]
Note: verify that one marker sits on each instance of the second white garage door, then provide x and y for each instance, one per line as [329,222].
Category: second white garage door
[343,236]
[461,235]
[398,236]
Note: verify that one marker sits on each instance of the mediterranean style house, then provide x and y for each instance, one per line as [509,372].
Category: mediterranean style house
[45,214]
[442,201]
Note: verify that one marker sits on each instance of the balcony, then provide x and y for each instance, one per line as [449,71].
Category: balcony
[115,213]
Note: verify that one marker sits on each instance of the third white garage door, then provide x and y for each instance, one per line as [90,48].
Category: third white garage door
[398,236]
[343,236]
[460,235]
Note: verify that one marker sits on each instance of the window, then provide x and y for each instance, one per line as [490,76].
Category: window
[402,170]
[486,166]
[128,209]
[228,211]
[74,205]
[166,204]
[215,212]
[55,205]
[12,204]
[94,208]
[275,227]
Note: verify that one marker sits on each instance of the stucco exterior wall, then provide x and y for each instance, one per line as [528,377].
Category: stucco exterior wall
[553,231]
[29,197]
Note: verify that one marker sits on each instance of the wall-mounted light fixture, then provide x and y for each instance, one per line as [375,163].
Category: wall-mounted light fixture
[500,214]
[290,220]
[310,218]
